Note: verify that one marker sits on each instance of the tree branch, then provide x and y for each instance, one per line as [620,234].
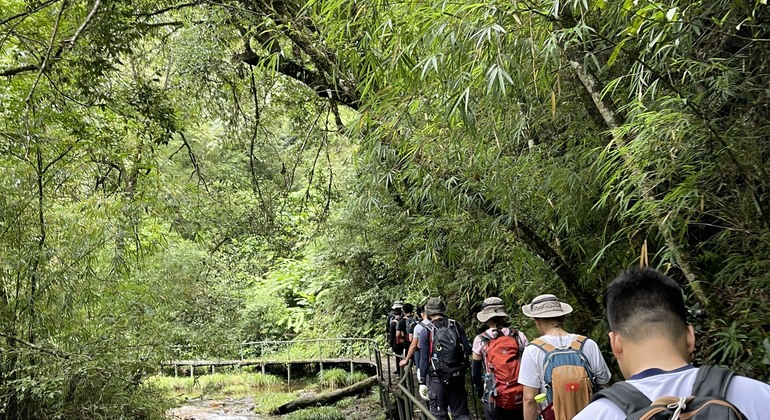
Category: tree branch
[65,45]
[311,79]
[194,162]
[170,8]
[53,352]
[542,249]
[39,7]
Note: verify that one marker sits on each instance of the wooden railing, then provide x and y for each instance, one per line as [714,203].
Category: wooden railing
[355,351]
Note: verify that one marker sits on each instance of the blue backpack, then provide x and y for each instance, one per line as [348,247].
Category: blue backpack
[567,374]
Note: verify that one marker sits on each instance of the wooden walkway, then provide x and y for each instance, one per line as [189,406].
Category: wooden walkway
[268,362]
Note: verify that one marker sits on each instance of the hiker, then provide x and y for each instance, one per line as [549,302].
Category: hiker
[413,353]
[443,362]
[496,360]
[394,316]
[574,369]
[402,329]
[653,344]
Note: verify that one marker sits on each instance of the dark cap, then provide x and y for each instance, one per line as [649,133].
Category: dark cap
[435,307]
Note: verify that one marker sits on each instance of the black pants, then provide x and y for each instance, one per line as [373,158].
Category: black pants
[494,412]
[448,398]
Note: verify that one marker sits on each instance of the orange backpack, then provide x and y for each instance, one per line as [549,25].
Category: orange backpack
[502,361]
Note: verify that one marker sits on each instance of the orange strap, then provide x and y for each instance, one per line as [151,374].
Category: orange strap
[577,344]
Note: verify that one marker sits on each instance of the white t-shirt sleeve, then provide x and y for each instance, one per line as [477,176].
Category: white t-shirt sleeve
[523,340]
[750,396]
[477,344]
[598,365]
[603,409]
[530,371]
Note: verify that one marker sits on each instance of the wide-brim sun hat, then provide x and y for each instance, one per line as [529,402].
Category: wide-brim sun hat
[397,305]
[491,307]
[435,306]
[546,306]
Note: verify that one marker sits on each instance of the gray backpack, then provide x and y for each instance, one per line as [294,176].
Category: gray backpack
[707,401]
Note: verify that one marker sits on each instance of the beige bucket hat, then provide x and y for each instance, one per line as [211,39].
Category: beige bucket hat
[490,308]
[546,306]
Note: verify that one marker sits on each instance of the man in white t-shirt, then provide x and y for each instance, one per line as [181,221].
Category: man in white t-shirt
[549,314]
[653,343]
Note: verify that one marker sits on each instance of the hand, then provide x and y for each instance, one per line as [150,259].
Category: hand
[403,362]
[424,392]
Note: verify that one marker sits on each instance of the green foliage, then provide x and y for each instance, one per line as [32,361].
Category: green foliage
[266,402]
[332,378]
[338,378]
[175,175]
[217,385]
[317,413]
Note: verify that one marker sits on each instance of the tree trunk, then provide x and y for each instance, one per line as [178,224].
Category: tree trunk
[327,398]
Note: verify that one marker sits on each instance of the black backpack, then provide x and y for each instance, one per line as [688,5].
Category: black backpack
[410,323]
[707,401]
[447,355]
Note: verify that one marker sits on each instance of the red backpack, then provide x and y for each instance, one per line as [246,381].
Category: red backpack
[502,361]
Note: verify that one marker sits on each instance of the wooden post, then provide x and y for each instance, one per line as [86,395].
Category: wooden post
[262,356]
[176,370]
[240,354]
[192,372]
[288,366]
[350,353]
[320,359]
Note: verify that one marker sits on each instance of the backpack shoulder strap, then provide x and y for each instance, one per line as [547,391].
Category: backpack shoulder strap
[712,381]
[625,396]
[546,347]
[578,342]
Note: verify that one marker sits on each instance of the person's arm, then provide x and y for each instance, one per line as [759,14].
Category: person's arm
[477,366]
[424,344]
[599,367]
[464,339]
[410,353]
[530,406]
[530,377]
[476,380]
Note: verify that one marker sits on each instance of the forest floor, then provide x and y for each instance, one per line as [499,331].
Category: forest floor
[360,408]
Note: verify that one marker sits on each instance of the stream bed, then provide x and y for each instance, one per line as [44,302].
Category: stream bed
[222,409]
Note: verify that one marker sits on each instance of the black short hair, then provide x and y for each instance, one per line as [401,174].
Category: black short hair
[408,308]
[644,302]
[420,309]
